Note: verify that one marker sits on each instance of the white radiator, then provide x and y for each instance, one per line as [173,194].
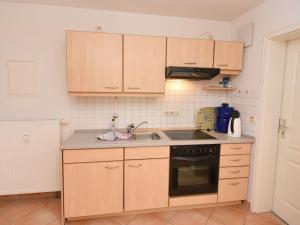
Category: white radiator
[29,156]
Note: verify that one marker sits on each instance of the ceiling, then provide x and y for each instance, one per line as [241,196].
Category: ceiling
[202,9]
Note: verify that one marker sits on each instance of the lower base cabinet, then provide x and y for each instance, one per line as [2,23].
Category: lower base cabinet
[232,189]
[146,184]
[93,188]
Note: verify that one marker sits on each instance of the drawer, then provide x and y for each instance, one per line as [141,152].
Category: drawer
[232,189]
[147,152]
[193,200]
[235,149]
[234,160]
[233,172]
[92,155]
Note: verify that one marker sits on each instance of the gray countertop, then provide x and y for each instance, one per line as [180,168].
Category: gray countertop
[85,139]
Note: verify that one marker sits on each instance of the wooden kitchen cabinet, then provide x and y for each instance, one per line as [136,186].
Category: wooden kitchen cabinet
[146,184]
[94,62]
[93,188]
[232,189]
[144,64]
[183,52]
[228,57]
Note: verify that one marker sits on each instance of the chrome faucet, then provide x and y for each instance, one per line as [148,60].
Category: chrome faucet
[131,127]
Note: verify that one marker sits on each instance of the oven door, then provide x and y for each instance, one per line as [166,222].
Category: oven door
[194,175]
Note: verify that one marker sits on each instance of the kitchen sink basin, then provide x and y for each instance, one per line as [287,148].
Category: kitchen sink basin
[145,136]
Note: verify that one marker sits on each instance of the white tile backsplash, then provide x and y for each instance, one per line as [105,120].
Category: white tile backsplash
[186,97]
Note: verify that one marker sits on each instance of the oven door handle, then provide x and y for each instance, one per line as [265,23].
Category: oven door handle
[196,159]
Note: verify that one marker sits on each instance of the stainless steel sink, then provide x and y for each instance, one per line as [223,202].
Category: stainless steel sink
[149,136]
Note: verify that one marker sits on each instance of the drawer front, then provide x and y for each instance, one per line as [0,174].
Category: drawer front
[92,155]
[232,189]
[235,149]
[233,172]
[234,160]
[147,152]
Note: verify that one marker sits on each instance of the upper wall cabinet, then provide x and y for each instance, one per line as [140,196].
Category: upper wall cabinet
[94,62]
[144,64]
[184,52]
[229,57]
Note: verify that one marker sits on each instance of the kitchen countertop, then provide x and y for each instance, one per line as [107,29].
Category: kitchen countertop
[85,139]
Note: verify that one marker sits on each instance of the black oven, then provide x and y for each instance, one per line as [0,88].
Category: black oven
[194,169]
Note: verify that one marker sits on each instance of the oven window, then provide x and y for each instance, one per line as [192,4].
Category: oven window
[193,175]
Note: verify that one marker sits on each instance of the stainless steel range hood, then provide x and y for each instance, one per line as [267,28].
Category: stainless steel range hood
[193,73]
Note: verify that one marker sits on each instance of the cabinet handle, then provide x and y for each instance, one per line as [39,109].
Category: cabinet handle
[135,166]
[111,167]
[236,160]
[234,171]
[133,88]
[236,148]
[111,87]
[222,65]
[234,184]
[190,63]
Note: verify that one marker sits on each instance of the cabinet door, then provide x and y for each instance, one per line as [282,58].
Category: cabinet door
[190,52]
[146,184]
[93,188]
[232,189]
[228,55]
[94,62]
[144,64]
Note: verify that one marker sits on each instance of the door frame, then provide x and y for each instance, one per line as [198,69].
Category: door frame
[271,90]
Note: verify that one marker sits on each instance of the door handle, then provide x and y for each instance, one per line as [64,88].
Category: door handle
[222,65]
[282,128]
[111,87]
[133,88]
[111,167]
[234,183]
[234,171]
[135,166]
[190,63]
[236,148]
[236,160]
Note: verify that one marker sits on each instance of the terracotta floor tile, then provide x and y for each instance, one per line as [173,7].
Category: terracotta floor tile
[262,219]
[78,222]
[165,215]
[188,217]
[123,220]
[206,211]
[147,219]
[213,222]
[102,221]
[55,222]
[4,221]
[41,216]
[16,209]
[229,216]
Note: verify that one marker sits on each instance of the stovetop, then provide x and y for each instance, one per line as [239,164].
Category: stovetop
[188,135]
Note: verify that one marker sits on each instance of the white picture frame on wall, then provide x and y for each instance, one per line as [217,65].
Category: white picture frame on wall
[21,77]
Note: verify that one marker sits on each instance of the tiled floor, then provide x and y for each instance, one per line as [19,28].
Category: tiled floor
[46,211]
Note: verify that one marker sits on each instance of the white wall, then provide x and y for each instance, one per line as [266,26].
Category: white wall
[270,17]
[36,32]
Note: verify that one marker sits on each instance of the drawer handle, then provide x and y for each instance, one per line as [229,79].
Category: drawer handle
[111,87]
[135,166]
[236,148]
[234,184]
[134,88]
[111,167]
[190,63]
[235,171]
[236,160]
[222,65]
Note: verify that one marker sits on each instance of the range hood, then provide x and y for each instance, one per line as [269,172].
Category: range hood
[193,73]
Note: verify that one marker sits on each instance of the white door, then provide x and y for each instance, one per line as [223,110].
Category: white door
[286,202]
